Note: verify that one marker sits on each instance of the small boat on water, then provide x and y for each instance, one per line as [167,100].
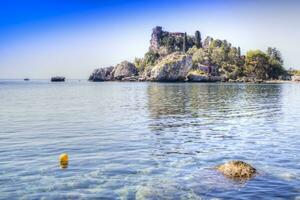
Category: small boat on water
[58,79]
[26,79]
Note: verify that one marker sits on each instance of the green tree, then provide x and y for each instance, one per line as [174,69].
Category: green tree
[198,42]
[233,57]
[184,45]
[257,64]
[150,58]
[216,43]
[199,56]
[218,56]
[275,54]
[140,64]
[276,63]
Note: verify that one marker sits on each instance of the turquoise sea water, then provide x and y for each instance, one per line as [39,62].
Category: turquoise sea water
[147,140]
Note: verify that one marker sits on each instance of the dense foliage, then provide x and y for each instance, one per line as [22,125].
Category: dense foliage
[256,64]
[294,72]
[231,64]
[263,65]
[149,59]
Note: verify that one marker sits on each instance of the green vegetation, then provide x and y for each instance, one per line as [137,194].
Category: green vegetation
[221,54]
[256,64]
[149,59]
[264,65]
[294,72]
[229,61]
[198,72]
[198,42]
[239,51]
[184,46]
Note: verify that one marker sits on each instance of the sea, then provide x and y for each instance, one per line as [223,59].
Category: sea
[147,140]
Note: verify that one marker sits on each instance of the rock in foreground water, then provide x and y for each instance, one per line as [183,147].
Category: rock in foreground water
[237,170]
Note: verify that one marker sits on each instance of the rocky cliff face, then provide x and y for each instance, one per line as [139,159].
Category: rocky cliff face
[155,38]
[101,74]
[123,70]
[173,67]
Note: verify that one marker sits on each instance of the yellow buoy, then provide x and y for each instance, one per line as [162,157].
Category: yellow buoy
[64,160]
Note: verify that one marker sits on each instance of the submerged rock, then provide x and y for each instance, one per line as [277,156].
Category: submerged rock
[58,79]
[101,74]
[237,170]
[123,70]
[173,67]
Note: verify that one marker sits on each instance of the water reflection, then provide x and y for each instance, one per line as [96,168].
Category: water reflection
[148,140]
[197,126]
[210,103]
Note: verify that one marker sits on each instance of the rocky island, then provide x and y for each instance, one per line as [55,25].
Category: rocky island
[176,56]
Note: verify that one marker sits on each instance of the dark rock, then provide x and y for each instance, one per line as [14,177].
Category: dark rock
[197,78]
[132,78]
[258,81]
[202,78]
[123,70]
[101,74]
[58,79]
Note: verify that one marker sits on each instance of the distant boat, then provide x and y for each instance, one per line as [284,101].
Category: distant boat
[58,79]
[26,79]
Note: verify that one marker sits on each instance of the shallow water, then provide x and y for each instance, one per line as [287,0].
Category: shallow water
[147,140]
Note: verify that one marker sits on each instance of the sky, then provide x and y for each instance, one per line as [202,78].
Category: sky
[40,39]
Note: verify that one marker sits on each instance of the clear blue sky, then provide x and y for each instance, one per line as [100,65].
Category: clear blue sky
[40,39]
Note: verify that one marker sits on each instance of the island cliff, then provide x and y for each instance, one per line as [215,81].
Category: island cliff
[176,56]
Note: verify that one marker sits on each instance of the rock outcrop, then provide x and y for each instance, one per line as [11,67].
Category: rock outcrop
[58,79]
[296,78]
[202,78]
[101,74]
[237,170]
[123,70]
[164,42]
[173,67]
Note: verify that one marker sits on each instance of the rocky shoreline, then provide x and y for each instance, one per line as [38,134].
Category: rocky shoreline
[172,68]
[178,57]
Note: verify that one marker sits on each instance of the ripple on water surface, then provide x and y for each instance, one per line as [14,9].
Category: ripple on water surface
[147,140]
